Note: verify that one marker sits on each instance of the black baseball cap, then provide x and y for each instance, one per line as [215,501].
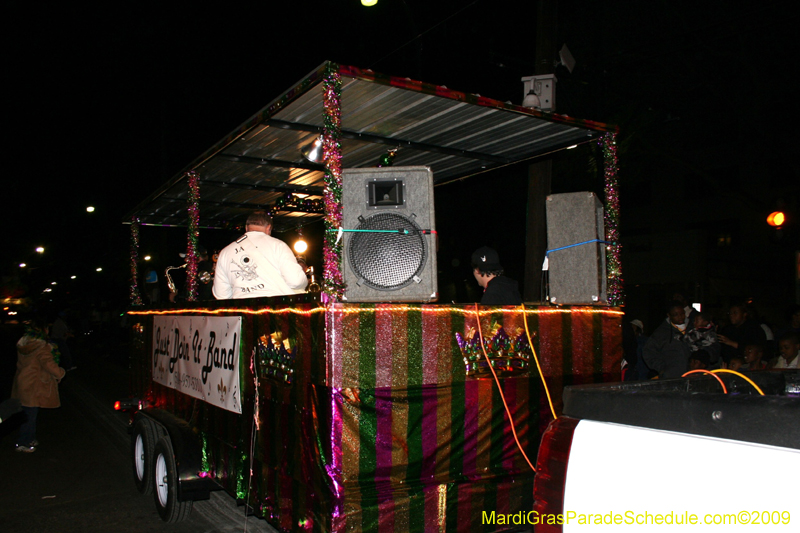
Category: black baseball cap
[485,258]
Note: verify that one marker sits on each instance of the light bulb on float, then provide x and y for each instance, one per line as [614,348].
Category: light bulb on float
[300,246]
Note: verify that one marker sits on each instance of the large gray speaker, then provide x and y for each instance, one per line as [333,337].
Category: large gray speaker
[577,273]
[391,257]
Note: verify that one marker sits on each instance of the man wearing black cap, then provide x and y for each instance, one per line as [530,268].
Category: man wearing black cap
[488,272]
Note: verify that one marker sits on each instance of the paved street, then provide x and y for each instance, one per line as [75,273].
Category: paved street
[80,479]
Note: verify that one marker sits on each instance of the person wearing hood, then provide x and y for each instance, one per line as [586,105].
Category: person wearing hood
[35,383]
[665,351]
[488,272]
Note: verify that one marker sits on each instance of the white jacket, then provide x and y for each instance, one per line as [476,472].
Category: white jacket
[257,265]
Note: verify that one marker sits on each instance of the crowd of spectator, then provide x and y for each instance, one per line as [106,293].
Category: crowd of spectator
[688,339]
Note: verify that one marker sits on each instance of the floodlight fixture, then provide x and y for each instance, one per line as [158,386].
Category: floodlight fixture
[531,100]
[314,151]
[540,92]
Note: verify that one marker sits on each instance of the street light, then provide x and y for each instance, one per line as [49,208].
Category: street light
[90,209]
[776,219]
[22,265]
[40,249]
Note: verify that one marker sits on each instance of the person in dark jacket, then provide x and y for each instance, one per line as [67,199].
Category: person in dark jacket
[665,351]
[741,332]
[488,272]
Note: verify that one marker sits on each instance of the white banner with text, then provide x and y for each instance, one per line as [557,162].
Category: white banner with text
[199,356]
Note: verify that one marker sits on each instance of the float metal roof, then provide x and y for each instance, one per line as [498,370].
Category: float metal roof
[455,134]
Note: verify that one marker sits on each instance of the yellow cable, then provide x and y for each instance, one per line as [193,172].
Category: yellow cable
[713,375]
[750,381]
[535,358]
[500,389]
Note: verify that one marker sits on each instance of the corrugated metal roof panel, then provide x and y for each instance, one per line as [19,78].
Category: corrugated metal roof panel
[455,134]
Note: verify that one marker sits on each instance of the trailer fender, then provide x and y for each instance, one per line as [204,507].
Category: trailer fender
[187,448]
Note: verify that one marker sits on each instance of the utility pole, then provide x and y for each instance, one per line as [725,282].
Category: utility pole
[540,173]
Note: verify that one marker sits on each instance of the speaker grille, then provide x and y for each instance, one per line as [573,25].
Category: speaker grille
[387,261]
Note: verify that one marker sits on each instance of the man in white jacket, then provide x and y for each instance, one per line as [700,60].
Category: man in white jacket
[257,264]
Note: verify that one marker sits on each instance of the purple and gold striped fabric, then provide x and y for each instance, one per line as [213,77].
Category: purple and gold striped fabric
[381,428]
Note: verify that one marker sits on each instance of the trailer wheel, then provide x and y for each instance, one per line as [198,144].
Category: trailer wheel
[143,443]
[165,477]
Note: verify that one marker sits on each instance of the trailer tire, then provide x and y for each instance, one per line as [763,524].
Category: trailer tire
[165,484]
[143,443]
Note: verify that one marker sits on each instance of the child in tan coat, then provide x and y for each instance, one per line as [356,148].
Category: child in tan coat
[35,383]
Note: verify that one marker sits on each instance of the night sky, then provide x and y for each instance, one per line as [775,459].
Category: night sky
[105,102]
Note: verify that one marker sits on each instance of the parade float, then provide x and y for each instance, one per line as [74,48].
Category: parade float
[366,406]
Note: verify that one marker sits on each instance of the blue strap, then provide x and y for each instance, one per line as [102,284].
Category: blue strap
[574,245]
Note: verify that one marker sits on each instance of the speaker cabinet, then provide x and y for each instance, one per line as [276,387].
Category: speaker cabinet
[577,273]
[391,257]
